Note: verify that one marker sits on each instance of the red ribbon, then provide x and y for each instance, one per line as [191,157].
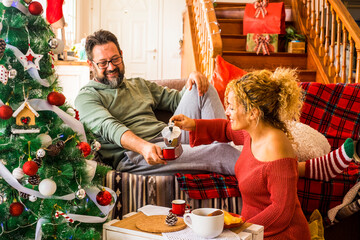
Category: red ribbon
[262,43]
[260,7]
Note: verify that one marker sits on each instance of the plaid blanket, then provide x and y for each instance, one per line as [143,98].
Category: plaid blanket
[333,110]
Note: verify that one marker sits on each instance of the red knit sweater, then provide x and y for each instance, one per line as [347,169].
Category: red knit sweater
[268,189]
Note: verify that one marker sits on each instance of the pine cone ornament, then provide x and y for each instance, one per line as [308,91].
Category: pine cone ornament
[54,149]
[171,219]
[34,180]
[38,161]
[24,195]
[2,47]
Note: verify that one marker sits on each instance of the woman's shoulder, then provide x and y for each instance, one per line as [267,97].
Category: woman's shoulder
[279,147]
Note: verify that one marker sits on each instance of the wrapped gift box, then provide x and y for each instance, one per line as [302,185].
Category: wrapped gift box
[273,22]
[259,43]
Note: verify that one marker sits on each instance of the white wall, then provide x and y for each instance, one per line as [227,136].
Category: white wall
[170,23]
[171,35]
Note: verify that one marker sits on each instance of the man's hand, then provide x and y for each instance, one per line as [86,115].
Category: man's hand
[152,154]
[183,122]
[201,81]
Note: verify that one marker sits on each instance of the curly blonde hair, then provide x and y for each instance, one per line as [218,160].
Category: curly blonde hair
[277,95]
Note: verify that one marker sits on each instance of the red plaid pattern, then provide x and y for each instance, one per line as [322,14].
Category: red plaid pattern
[207,186]
[333,110]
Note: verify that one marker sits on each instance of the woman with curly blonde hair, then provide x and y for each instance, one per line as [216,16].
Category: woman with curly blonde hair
[258,105]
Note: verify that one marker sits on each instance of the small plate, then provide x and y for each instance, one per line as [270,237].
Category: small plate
[235,224]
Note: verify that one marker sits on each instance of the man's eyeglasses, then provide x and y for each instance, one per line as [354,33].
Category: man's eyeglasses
[105,64]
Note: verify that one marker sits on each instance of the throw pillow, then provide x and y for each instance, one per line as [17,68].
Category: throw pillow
[308,142]
[223,73]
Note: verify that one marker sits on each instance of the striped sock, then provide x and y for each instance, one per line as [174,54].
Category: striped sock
[330,165]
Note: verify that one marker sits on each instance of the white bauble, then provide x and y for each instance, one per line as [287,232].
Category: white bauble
[47,187]
[18,173]
[40,153]
[45,140]
[32,198]
[7,3]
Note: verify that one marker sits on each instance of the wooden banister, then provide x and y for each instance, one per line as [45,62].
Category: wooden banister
[333,32]
[206,38]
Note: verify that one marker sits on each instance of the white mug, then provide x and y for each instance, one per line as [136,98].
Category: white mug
[204,225]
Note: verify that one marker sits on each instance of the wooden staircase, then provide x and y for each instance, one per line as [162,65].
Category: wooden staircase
[227,39]
[230,19]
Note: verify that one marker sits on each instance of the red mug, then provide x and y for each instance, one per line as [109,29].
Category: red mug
[179,207]
[169,153]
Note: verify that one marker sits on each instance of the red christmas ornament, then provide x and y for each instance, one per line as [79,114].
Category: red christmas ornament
[56,98]
[77,116]
[16,209]
[103,198]
[5,112]
[84,148]
[30,168]
[35,8]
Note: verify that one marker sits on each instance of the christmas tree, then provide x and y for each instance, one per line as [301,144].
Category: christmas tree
[49,186]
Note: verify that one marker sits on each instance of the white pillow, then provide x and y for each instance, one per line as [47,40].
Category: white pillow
[308,142]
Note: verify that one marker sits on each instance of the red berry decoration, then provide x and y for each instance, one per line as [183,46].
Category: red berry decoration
[35,8]
[56,98]
[30,168]
[5,112]
[84,148]
[16,209]
[103,198]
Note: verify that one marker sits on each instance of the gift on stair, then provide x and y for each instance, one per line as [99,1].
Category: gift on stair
[262,43]
[264,17]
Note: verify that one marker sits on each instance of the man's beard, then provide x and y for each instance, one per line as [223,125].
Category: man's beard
[113,82]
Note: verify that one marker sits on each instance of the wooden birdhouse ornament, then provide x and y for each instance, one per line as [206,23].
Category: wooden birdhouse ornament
[25,119]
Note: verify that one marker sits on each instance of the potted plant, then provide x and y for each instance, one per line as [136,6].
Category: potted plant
[295,43]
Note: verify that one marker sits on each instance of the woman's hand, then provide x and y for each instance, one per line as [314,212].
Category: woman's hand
[183,122]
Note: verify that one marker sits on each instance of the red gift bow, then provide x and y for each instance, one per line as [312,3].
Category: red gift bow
[262,43]
[260,7]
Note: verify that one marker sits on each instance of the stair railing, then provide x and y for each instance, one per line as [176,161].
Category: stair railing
[206,38]
[334,35]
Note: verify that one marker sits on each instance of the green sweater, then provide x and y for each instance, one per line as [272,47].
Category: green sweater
[109,112]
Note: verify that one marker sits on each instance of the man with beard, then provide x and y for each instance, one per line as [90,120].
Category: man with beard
[120,112]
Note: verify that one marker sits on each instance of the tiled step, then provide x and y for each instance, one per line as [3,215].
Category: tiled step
[247,60]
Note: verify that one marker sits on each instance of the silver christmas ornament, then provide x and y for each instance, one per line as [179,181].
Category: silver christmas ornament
[53,43]
[95,145]
[80,194]
[2,199]
[12,73]
[40,153]
[18,173]
[32,198]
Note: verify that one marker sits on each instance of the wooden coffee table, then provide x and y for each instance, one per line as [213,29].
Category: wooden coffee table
[126,229]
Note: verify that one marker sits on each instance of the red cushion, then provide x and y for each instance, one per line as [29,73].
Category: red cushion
[224,72]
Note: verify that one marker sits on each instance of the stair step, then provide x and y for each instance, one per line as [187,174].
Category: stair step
[237,42]
[237,12]
[235,26]
[233,42]
[249,60]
